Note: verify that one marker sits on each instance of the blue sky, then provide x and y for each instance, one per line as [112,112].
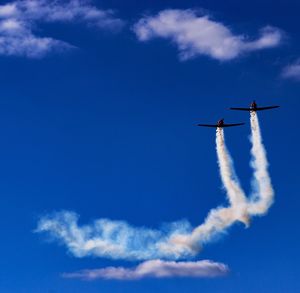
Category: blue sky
[100,122]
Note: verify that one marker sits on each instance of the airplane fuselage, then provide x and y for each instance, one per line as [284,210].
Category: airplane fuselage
[253,106]
[220,123]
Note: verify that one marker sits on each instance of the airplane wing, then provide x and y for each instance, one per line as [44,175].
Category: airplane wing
[266,108]
[256,109]
[241,109]
[208,125]
[224,125]
[231,125]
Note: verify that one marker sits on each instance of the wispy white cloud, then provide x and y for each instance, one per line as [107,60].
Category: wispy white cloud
[292,71]
[17,38]
[19,22]
[155,269]
[68,11]
[197,35]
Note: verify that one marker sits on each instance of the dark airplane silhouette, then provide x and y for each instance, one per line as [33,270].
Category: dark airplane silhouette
[220,124]
[254,108]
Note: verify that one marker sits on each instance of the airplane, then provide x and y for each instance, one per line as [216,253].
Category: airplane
[220,124]
[254,108]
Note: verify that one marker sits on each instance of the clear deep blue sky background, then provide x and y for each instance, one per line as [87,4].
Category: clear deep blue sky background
[108,131]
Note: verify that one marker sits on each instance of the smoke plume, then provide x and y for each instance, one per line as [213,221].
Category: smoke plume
[119,240]
[262,195]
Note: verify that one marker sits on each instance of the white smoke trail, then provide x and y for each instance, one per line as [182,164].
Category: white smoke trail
[263,193]
[112,239]
[119,240]
[235,193]
[221,218]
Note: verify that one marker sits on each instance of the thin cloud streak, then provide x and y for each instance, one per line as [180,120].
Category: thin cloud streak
[154,269]
[196,35]
[19,21]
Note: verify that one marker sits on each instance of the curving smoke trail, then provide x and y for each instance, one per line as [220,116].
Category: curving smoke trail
[219,219]
[263,194]
[119,240]
[235,193]
[240,208]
